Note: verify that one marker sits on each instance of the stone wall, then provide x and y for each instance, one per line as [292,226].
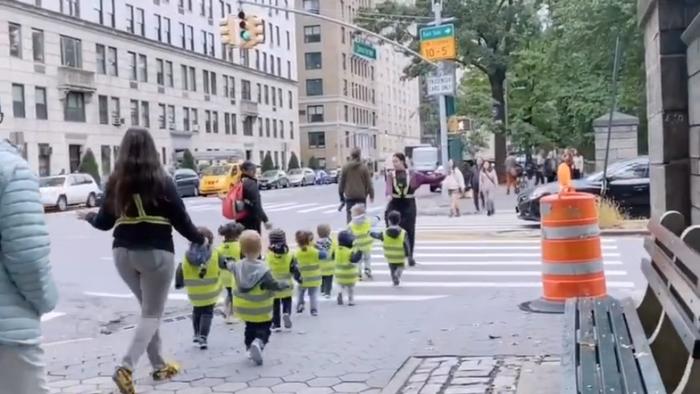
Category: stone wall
[623,138]
[692,38]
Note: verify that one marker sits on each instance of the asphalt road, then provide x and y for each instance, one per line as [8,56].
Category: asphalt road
[94,301]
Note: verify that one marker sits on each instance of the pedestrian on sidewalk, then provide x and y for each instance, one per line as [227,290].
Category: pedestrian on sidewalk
[402,197]
[254,295]
[142,205]
[229,250]
[346,256]
[360,226]
[309,259]
[355,184]
[396,246]
[539,168]
[454,183]
[284,267]
[200,274]
[253,202]
[326,244]
[27,289]
[488,182]
[477,195]
[510,165]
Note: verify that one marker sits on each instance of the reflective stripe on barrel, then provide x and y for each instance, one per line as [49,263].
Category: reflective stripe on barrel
[572,262]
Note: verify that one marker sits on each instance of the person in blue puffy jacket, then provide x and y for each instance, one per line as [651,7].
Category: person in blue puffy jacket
[27,289]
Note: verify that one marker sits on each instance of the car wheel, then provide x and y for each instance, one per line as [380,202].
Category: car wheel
[62,203]
[91,200]
[195,192]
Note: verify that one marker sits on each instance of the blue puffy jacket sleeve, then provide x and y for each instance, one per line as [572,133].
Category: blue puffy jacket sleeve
[24,237]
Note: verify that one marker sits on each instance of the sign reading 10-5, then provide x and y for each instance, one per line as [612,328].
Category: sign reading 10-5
[438,42]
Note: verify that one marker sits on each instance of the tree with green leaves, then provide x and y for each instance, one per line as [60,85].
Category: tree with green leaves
[267,163]
[188,160]
[88,165]
[293,161]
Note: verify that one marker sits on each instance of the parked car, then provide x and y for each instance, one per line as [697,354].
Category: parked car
[333,176]
[301,177]
[322,178]
[273,179]
[62,191]
[627,185]
[187,182]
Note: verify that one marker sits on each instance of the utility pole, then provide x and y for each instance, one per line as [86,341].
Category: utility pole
[442,65]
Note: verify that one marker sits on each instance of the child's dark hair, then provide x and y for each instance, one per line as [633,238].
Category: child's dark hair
[207,234]
[304,238]
[231,231]
[394,218]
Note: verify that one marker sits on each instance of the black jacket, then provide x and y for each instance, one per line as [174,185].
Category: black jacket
[251,195]
[149,235]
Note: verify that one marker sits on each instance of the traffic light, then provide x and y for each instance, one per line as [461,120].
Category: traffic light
[228,30]
[252,30]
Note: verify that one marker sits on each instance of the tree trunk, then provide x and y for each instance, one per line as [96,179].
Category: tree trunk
[497,79]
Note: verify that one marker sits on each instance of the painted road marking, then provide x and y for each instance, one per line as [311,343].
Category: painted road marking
[477,255]
[482,273]
[361,297]
[611,284]
[51,315]
[482,247]
[290,208]
[493,263]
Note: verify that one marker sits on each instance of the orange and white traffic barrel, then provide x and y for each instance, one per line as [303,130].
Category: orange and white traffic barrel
[572,259]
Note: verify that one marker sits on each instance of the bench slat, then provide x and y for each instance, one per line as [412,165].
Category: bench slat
[569,360]
[587,347]
[625,349]
[642,351]
[686,329]
[673,243]
[607,357]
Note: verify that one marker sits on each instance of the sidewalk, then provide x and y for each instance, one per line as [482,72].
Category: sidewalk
[344,350]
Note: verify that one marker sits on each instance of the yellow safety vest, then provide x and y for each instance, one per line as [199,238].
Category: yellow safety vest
[402,192]
[328,265]
[203,291]
[345,271]
[393,248]
[310,267]
[229,251]
[279,267]
[363,241]
[141,217]
[254,306]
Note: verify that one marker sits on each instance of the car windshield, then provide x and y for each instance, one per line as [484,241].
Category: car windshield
[52,181]
[269,174]
[217,170]
[612,170]
[295,172]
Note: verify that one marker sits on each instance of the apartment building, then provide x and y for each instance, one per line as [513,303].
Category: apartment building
[75,74]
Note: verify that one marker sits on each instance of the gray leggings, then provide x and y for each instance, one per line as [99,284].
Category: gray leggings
[148,273]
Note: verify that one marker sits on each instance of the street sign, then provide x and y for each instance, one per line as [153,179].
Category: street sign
[441,81]
[438,42]
[364,50]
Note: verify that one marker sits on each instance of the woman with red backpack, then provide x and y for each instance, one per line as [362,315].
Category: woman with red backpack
[243,203]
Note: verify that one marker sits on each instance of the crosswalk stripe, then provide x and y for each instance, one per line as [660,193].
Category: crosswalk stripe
[535,263]
[289,208]
[481,247]
[278,205]
[51,315]
[319,208]
[482,273]
[358,297]
[330,211]
[610,284]
[477,255]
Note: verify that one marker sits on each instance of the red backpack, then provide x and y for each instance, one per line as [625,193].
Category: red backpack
[233,207]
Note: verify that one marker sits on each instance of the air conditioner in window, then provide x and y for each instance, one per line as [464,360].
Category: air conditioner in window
[116,120]
[171,126]
[195,128]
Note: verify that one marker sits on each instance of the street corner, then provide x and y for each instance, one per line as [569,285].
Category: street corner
[503,374]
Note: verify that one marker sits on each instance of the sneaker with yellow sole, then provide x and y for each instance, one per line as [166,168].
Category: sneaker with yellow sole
[167,372]
[123,379]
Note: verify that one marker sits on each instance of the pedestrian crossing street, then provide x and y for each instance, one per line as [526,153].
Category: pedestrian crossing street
[211,204]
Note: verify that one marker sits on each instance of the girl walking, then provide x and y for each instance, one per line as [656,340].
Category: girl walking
[488,181]
[454,183]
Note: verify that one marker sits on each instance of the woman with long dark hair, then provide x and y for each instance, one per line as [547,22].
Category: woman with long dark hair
[402,185]
[142,205]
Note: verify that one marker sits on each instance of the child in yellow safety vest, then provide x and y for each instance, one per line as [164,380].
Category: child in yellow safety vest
[309,259]
[325,243]
[230,250]
[396,246]
[284,267]
[361,225]
[253,295]
[200,274]
[346,256]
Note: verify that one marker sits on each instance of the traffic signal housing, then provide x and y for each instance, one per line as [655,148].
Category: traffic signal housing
[228,30]
[252,30]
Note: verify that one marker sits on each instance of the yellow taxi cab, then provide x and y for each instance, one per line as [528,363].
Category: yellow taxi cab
[218,179]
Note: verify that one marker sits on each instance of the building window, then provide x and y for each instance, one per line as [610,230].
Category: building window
[347,113]
[245,90]
[171,116]
[193,79]
[289,69]
[183,36]
[274,97]
[140,22]
[38,45]
[195,118]
[205,81]
[159,27]
[272,64]
[130,18]
[71,52]
[116,115]
[183,71]
[70,7]
[259,93]
[291,130]
[227,123]
[186,118]
[145,114]
[313,60]
[132,66]
[267,127]
[190,35]
[207,121]
[74,107]
[112,64]
[166,29]
[248,126]
[162,118]
[281,129]
[347,139]
[314,87]
[212,51]
[212,78]
[169,82]
[260,127]
[274,128]
[134,110]
[40,103]
[160,71]
[342,35]
[143,68]
[314,113]
[289,40]
[267,95]
[103,109]
[110,13]
[317,139]
[312,6]
[234,124]
[18,101]
[290,97]
[215,121]
[100,59]
[345,61]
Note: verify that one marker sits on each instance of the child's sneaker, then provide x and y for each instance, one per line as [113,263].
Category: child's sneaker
[351,303]
[368,273]
[287,321]
[123,379]
[340,299]
[276,328]
[167,372]
[327,296]
[203,343]
[300,308]
[314,312]
[256,349]
[195,339]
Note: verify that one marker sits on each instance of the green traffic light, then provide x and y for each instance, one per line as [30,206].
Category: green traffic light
[245,35]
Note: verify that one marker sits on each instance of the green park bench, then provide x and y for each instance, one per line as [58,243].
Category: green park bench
[611,346]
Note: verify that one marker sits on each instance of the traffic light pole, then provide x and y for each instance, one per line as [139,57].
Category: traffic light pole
[437,10]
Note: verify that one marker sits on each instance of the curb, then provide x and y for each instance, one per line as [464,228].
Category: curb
[401,376]
[622,232]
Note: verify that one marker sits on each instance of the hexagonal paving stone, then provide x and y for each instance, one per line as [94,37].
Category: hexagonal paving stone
[255,390]
[316,390]
[98,380]
[59,384]
[323,382]
[350,387]
[172,386]
[299,377]
[264,382]
[195,390]
[355,377]
[230,387]
[289,387]
[207,382]
[81,389]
